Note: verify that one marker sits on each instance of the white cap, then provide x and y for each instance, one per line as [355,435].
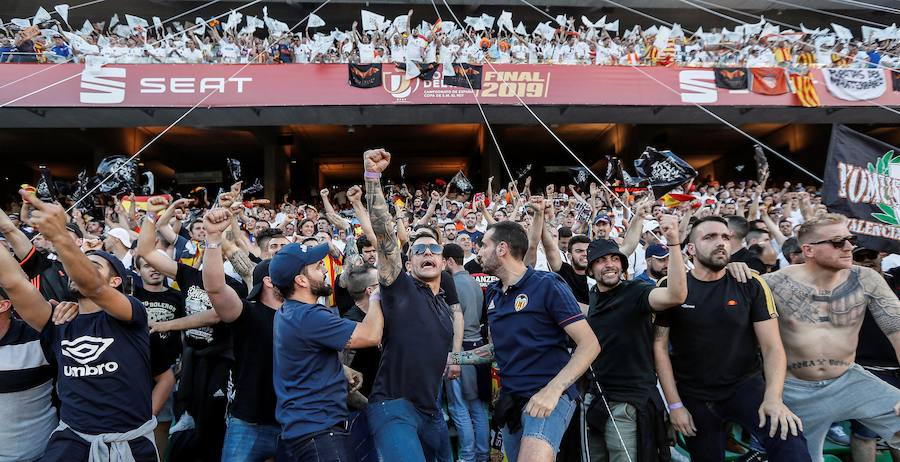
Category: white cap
[122,235]
[650,225]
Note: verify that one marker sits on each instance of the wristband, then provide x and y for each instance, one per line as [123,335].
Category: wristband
[674,406]
[376,297]
[673,245]
[212,245]
[372,175]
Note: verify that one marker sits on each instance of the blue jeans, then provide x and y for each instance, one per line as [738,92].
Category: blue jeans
[403,433]
[327,446]
[471,421]
[248,442]
[549,429]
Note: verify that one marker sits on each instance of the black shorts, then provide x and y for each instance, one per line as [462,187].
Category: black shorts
[66,446]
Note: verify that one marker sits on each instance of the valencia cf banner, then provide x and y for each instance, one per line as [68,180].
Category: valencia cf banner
[365,75]
[463,71]
[769,81]
[731,78]
[862,182]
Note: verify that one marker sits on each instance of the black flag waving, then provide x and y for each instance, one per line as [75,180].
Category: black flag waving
[664,170]
[859,173]
[464,71]
[365,75]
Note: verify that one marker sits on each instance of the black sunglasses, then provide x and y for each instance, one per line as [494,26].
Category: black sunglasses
[838,242]
[420,249]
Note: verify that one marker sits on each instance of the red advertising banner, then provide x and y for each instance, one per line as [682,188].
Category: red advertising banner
[184,85]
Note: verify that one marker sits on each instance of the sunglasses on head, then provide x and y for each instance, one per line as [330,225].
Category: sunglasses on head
[838,242]
[419,249]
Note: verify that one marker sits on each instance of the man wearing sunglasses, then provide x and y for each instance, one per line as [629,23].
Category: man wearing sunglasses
[404,419]
[822,304]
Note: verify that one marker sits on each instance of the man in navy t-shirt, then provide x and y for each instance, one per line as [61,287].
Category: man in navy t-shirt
[103,355]
[310,385]
[532,314]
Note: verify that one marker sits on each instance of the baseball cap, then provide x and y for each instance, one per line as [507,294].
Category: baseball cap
[114,262]
[862,253]
[650,225]
[75,229]
[122,235]
[291,259]
[259,272]
[600,248]
[657,251]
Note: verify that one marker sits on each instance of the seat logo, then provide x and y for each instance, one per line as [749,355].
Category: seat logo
[101,86]
[698,87]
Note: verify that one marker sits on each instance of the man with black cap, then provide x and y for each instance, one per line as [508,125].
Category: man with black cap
[252,431]
[104,354]
[310,385]
[715,373]
[620,315]
[47,274]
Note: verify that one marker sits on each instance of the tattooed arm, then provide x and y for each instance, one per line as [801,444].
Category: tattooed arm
[883,305]
[481,355]
[376,161]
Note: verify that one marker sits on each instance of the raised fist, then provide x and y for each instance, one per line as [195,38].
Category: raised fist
[376,160]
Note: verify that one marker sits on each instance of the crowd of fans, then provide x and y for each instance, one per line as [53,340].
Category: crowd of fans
[568,41]
[210,327]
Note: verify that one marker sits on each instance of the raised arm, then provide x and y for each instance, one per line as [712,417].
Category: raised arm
[635,227]
[223,298]
[675,292]
[17,240]
[432,206]
[330,214]
[50,219]
[537,229]
[29,304]
[146,246]
[354,195]
[375,162]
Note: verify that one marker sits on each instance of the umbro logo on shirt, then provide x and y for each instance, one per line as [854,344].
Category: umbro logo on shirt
[84,350]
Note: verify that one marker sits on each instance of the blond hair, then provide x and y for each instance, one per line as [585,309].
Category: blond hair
[809,228]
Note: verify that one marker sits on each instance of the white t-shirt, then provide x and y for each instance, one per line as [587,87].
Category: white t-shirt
[366,53]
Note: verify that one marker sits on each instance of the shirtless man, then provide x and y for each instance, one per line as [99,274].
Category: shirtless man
[822,304]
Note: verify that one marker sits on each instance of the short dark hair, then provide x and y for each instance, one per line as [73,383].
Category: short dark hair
[420,230]
[267,235]
[755,251]
[699,222]
[756,233]
[565,231]
[303,222]
[454,252]
[578,239]
[362,243]
[356,280]
[513,234]
[738,225]
[789,247]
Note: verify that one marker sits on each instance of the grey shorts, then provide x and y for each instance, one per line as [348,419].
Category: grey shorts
[857,394]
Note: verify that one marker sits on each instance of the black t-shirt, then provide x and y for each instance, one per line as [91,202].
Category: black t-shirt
[32,363]
[578,283]
[448,285]
[47,275]
[418,334]
[473,267]
[714,347]
[742,255]
[254,393]
[365,360]
[165,347]
[621,319]
[196,300]
[874,348]
[103,378]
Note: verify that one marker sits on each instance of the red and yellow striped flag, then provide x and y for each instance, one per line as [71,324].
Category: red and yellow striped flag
[805,91]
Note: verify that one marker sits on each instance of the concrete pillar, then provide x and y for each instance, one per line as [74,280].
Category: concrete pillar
[490,160]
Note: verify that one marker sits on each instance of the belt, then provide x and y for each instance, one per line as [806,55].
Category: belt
[472,345]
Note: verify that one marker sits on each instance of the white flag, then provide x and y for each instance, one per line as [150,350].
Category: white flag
[135,22]
[401,23]
[41,16]
[770,29]
[93,63]
[561,20]
[447,68]
[676,31]
[545,30]
[87,28]
[505,21]
[842,32]
[652,30]
[20,23]
[234,18]
[315,21]
[113,21]
[474,23]
[123,31]
[157,22]
[63,11]
[662,38]
[370,20]
[412,71]
[488,21]
[754,28]
[520,29]
[612,26]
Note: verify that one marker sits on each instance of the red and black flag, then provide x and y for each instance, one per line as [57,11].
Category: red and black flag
[731,78]
[470,72]
[425,70]
[365,75]
[895,80]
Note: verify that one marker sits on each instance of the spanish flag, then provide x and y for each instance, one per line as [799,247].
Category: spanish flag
[805,90]
[674,199]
